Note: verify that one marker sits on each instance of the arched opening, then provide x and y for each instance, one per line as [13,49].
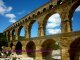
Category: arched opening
[18,48]
[8,36]
[51,6]
[30,48]
[13,35]
[33,28]
[11,45]
[21,32]
[75,49]
[52,24]
[44,9]
[50,50]
[74,15]
[76,19]
[59,2]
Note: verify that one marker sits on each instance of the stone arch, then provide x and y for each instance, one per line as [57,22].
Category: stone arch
[44,9]
[18,48]
[59,2]
[74,6]
[11,44]
[51,6]
[13,34]
[19,31]
[33,15]
[38,13]
[30,25]
[9,36]
[72,14]
[46,19]
[30,48]
[75,49]
[48,47]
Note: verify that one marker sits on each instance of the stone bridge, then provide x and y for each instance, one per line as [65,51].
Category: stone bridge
[67,40]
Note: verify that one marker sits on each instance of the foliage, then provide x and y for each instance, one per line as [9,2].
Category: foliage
[3,40]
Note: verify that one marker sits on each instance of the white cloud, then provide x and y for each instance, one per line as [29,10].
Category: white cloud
[78,8]
[1,3]
[52,25]
[5,11]
[53,31]
[53,22]
[11,16]
[55,18]
[12,20]
[9,8]
[3,8]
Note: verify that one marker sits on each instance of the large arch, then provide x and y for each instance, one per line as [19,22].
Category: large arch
[33,28]
[75,49]
[48,48]
[71,14]
[18,48]
[47,18]
[30,48]
[21,32]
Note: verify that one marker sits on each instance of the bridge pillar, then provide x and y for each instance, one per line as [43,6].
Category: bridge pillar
[27,34]
[65,53]
[17,36]
[66,26]
[65,47]
[7,35]
[10,35]
[66,22]
[41,30]
[38,53]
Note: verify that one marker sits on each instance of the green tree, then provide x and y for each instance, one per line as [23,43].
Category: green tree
[3,40]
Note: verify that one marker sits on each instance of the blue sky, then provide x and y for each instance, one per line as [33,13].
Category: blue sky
[12,10]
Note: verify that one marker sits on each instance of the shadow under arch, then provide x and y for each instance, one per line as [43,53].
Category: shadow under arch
[47,48]
[75,49]
[11,44]
[30,49]
[18,48]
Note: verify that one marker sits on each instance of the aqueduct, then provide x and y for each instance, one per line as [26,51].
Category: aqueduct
[69,43]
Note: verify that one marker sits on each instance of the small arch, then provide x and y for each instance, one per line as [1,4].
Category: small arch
[30,48]
[59,2]
[75,49]
[18,48]
[29,17]
[51,6]
[26,19]
[38,12]
[44,9]
[33,15]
